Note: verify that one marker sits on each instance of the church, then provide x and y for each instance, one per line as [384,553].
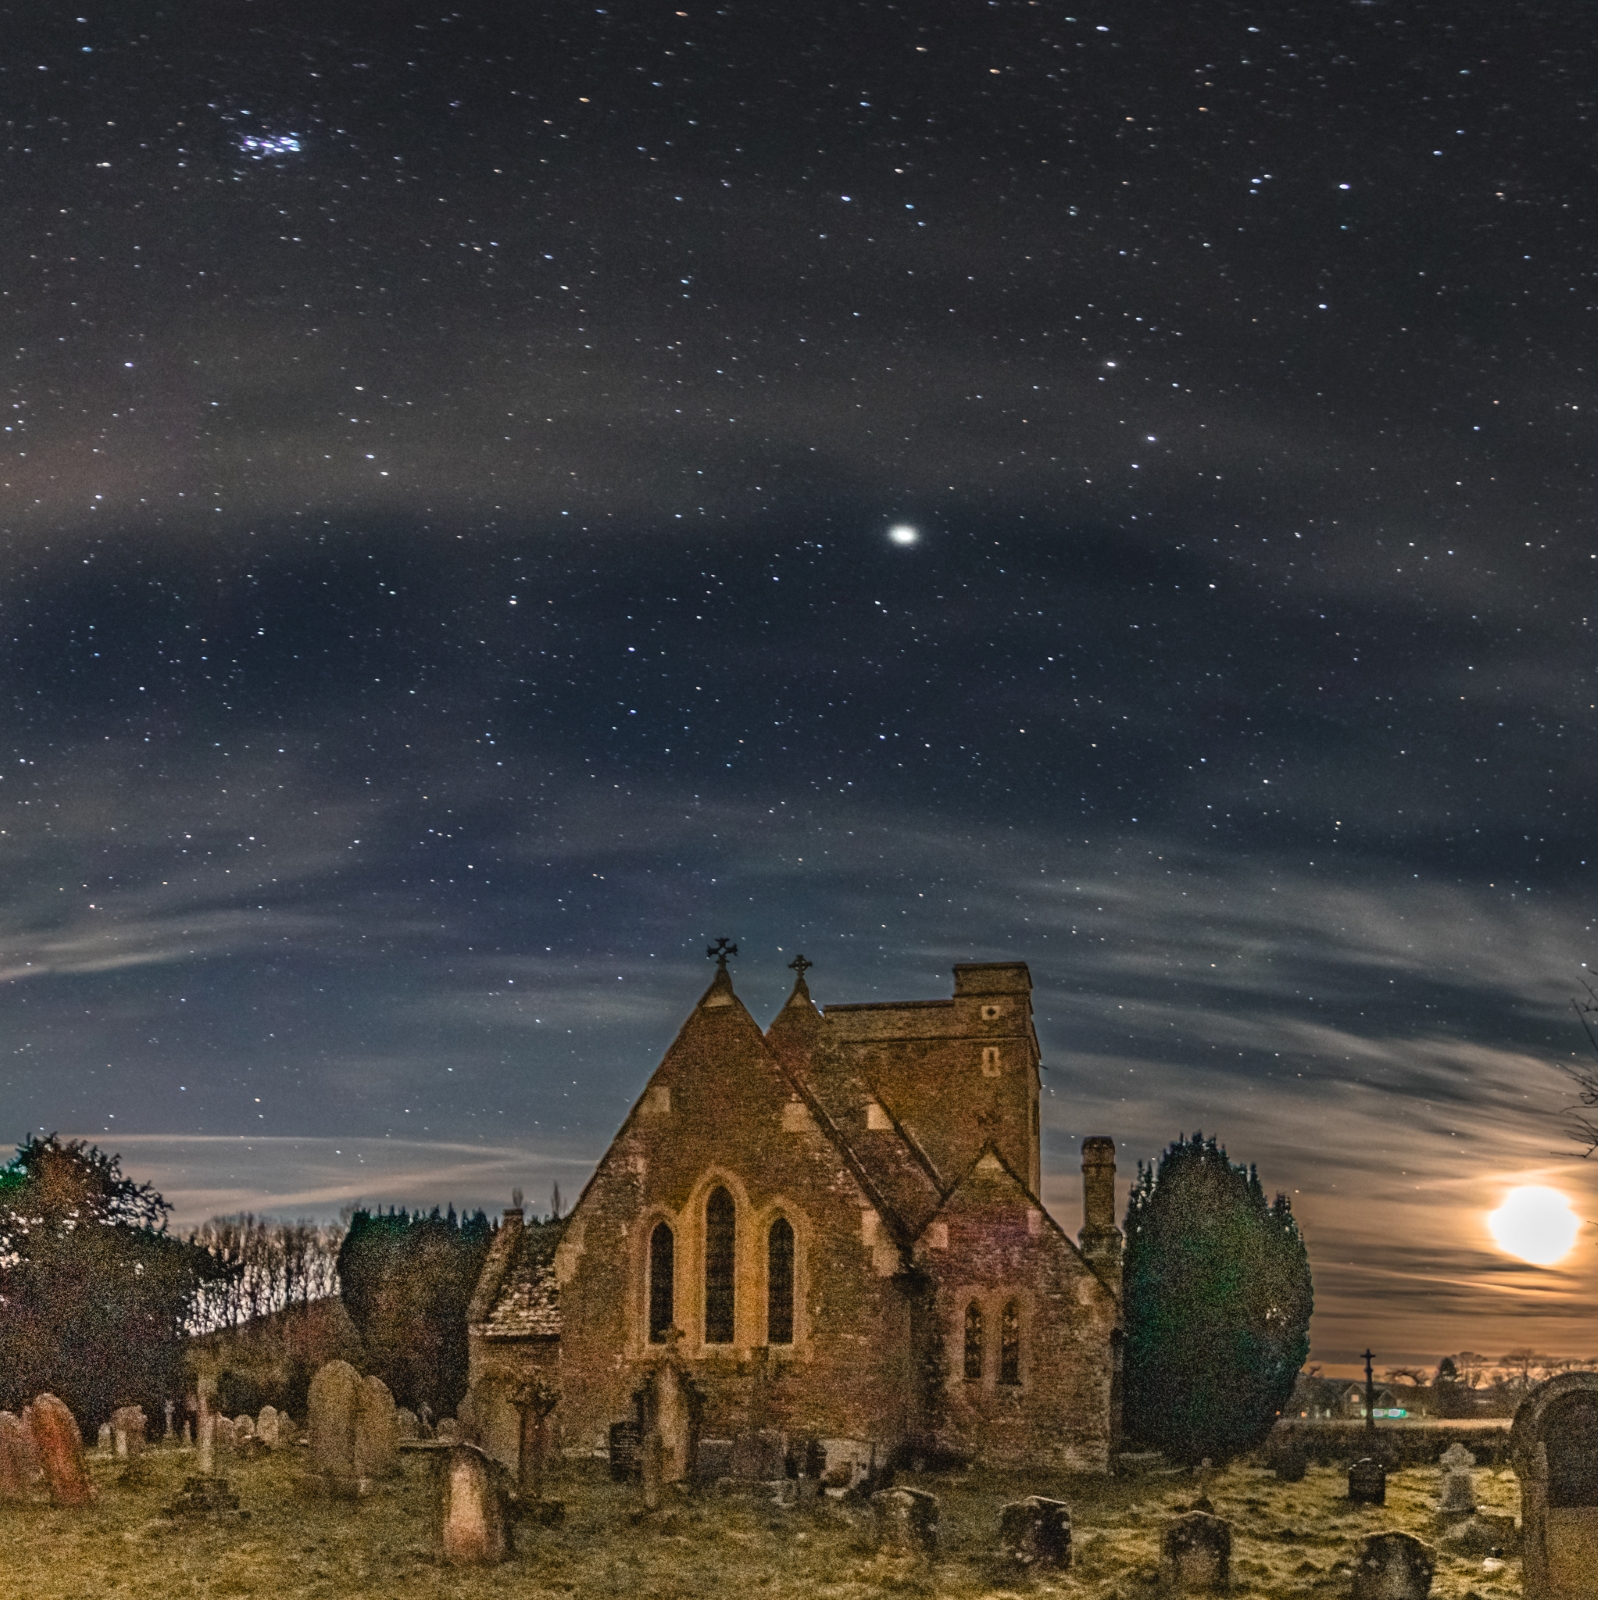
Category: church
[830,1228]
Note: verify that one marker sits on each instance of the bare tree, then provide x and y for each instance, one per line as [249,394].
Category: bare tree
[264,1266]
[1581,1117]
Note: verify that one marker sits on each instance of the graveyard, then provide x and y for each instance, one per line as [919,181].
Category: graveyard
[290,1536]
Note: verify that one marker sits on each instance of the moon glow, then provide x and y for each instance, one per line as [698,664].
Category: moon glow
[1535,1224]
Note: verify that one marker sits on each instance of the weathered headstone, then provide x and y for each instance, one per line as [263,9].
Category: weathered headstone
[848,1462]
[1288,1458]
[488,1418]
[469,1510]
[448,1431]
[168,1407]
[1196,1554]
[1553,1446]
[268,1427]
[106,1439]
[222,1439]
[1458,1499]
[128,1426]
[408,1424]
[668,1412]
[1393,1566]
[332,1421]
[1367,1482]
[760,1455]
[58,1448]
[652,1466]
[243,1431]
[376,1432]
[535,1400]
[1036,1532]
[906,1521]
[17,1466]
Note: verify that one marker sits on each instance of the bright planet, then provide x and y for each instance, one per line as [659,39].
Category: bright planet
[1536,1224]
[903,533]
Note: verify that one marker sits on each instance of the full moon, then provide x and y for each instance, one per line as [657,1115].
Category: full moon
[1535,1224]
[903,533]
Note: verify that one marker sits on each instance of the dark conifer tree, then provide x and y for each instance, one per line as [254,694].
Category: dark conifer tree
[1217,1305]
[406,1281]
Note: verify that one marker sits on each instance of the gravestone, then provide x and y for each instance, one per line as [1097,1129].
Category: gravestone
[408,1425]
[849,1462]
[376,1433]
[106,1438]
[1458,1499]
[1367,1482]
[651,1468]
[1553,1446]
[17,1467]
[448,1431]
[58,1448]
[714,1460]
[1393,1566]
[332,1421]
[268,1427]
[168,1408]
[760,1455]
[469,1512]
[535,1400]
[222,1439]
[128,1427]
[1288,1458]
[906,1521]
[625,1440]
[1196,1554]
[243,1431]
[668,1410]
[1036,1532]
[489,1419]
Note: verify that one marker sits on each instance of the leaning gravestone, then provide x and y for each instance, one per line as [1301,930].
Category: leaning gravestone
[17,1467]
[1393,1566]
[1036,1532]
[58,1447]
[1367,1482]
[376,1432]
[1196,1554]
[267,1427]
[1458,1499]
[906,1521]
[468,1510]
[332,1418]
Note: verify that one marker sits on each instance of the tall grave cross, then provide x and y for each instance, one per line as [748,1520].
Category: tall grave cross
[1370,1395]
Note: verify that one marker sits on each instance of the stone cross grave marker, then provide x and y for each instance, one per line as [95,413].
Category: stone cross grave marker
[1459,1488]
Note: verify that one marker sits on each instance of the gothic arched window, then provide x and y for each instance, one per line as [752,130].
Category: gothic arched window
[662,1303]
[1010,1344]
[721,1222]
[779,1282]
[973,1342]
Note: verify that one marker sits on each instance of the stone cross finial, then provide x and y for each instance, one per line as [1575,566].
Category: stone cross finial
[720,950]
[800,965]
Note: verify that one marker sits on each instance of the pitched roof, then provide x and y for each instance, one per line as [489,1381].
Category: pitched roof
[525,1300]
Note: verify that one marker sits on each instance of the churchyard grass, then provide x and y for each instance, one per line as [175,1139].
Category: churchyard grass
[1290,1540]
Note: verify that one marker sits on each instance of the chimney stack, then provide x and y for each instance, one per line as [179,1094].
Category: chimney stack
[1100,1238]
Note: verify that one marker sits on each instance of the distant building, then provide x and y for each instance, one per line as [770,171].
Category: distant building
[831,1228]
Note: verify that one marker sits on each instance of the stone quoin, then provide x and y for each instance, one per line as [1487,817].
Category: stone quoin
[831,1228]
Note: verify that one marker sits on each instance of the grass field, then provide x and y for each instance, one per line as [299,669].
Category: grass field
[289,1540]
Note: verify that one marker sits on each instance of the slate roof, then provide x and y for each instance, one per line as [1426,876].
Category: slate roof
[526,1303]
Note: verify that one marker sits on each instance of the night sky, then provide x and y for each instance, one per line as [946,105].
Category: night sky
[445,503]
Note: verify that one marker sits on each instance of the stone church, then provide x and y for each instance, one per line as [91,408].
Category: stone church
[831,1229]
